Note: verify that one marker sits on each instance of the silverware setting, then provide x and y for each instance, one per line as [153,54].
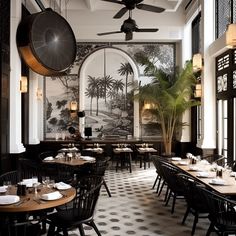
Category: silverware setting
[38,200]
[22,201]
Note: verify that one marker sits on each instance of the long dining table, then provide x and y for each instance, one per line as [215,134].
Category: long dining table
[206,174]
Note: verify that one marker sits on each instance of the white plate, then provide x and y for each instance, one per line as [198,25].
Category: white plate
[183,163]
[203,175]
[9,199]
[193,168]
[62,186]
[176,158]
[3,189]
[220,183]
[51,196]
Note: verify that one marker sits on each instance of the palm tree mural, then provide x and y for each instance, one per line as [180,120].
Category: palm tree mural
[90,94]
[125,70]
[94,84]
[118,85]
[106,83]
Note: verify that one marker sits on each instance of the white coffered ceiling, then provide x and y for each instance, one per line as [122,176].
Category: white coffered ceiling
[89,17]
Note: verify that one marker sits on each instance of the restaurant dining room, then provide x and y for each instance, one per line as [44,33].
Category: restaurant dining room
[118,117]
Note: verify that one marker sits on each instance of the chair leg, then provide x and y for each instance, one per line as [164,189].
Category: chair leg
[173,204]
[163,183]
[106,187]
[51,230]
[65,232]
[168,198]
[185,215]
[81,230]
[155,182]
[95,228]
[211,227]
[194,223]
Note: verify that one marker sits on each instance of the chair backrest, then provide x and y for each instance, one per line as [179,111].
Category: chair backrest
[45,154]
[217,158]
[12,176]
[190,188]
[88,190]
[157,161]
[170,176]
[221,209]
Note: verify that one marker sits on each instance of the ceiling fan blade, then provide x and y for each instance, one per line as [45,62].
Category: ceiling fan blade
[113,1]
[146,30]
[107,33]
[150,8]
[128,36]
[120,13]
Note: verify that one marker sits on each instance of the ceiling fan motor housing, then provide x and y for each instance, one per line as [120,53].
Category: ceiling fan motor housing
[46,42]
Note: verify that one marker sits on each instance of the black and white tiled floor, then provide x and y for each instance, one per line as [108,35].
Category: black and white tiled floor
[135,208]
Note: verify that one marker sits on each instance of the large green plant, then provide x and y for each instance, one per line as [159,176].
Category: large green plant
[170,96]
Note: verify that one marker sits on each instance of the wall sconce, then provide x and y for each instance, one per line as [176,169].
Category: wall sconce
[197,62]
[231,36]
[198,91]
[73,106]
[147,106]
[39,94]
[24,84]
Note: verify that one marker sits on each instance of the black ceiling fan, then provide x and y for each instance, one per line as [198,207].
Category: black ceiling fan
[128,27]
[131,4]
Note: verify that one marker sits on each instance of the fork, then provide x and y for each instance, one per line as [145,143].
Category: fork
[22,201]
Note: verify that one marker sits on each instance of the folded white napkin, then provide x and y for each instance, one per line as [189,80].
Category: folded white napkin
[62,186]
[218,181]
[87,158]
[176,158]
[51,196]
[29,182]
[9,199]
[202,174]
[205,162]
[3,189]
[48,158]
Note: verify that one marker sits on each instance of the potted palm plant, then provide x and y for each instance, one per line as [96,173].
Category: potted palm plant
[170,95]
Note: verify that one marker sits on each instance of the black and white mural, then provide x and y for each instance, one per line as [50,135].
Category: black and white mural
[101,81]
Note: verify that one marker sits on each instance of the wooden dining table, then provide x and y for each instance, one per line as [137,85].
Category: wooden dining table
[33,202]
[71,162]
[228,187]
[145,155]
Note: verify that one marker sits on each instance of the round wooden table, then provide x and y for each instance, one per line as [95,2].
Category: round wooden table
[33,202]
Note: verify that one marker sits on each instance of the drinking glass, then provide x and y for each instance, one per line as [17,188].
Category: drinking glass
[46,180]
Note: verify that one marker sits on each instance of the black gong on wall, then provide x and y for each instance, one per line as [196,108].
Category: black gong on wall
[46,43]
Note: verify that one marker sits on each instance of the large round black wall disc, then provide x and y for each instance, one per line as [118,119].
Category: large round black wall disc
[46,42]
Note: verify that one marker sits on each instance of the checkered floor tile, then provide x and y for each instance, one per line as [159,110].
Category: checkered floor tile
[135,208]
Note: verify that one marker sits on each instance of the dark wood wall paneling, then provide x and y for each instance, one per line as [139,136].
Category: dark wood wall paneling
[5,161]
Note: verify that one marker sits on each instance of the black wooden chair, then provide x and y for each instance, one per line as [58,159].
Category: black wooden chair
[176,190]
[157,160]
[81,210]
[12,176]
[222,213]
[195,202]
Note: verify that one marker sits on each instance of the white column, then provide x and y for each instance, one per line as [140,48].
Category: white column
[186,55]
[41,108]
[34,108]
[16,145]
[208,78]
